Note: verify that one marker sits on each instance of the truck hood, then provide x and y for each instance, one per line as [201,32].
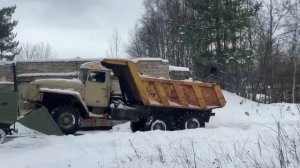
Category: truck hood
[74,84]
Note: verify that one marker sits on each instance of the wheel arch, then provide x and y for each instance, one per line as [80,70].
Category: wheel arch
[53,99]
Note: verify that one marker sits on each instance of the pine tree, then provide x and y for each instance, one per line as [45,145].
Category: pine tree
[218,32]
[8,45]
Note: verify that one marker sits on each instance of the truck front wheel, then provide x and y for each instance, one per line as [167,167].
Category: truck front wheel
[137,125]
[67,119]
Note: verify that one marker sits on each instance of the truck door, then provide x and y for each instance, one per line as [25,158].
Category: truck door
[96,90]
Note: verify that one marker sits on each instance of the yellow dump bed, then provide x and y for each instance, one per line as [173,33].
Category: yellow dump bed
[139,89]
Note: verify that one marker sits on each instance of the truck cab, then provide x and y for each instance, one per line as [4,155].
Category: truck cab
[69,100]
[96,81]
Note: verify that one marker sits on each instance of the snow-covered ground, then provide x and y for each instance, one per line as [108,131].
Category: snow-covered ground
[242,134]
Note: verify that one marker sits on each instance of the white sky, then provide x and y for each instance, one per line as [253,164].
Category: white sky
[75,28]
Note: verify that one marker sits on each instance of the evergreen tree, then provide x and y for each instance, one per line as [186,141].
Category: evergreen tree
[218,33]
[8,45]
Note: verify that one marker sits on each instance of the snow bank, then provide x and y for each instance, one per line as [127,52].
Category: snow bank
[239,111]
[242,134]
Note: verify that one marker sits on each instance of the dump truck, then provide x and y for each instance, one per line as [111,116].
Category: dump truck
[38,119]
[149,103]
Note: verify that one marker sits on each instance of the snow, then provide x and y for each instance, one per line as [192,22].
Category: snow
[6,83]
[173,103]
[261,98]
[61,60]
[176,68]
[47,74]
[242,134]
[62,91]
[60,80]
[149,59]
[6,62]
[153,102]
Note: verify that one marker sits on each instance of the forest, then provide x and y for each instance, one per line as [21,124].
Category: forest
[248,47]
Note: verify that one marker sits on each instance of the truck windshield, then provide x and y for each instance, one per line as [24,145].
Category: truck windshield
[83,73]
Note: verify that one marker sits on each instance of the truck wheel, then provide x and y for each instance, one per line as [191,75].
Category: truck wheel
[2,136]
[67,119]
[137,126]
[191,121]
[158,123]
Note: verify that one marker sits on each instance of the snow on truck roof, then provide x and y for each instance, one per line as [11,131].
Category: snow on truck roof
[97,64]
[137,59]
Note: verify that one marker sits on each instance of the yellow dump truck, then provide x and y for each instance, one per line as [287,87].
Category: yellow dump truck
[149,103]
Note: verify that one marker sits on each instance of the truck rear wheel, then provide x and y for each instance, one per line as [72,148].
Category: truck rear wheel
[157,123]
[2,135]
[67,119]
[191,121]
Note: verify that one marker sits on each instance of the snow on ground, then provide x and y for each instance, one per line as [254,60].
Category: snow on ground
[242,134]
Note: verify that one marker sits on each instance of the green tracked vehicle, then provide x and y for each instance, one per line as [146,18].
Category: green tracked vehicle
[8,108]
[37,119]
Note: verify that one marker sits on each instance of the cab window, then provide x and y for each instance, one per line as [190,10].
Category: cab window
[97,77]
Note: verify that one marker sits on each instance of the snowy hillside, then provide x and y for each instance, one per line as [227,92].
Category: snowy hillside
[242,134]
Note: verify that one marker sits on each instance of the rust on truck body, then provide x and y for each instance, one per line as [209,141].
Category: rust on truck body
[165,92]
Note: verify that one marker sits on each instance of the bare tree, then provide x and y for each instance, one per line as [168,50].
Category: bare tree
[38,51]
[292,27]
[270,49]
[115,45]
[162,32]
[135,47]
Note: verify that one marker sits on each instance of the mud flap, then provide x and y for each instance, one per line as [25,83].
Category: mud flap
[40,120]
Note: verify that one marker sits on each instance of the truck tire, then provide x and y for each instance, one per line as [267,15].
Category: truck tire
[67,119]
[191,121]
[157,123]
[137,126]
[2,136]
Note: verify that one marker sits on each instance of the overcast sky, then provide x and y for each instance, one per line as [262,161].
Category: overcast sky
[75,28]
